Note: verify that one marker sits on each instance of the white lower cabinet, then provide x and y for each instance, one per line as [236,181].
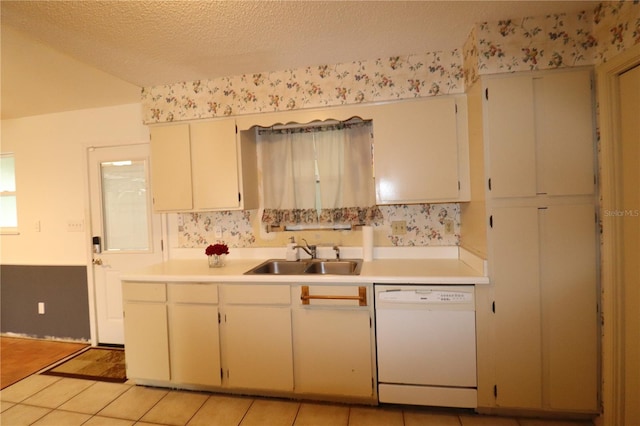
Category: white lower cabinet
[171,333]
[194,338]
[145,331]
[332,343]
[251,338]
[546,316]
[332,350]
[256,339]
[257,347]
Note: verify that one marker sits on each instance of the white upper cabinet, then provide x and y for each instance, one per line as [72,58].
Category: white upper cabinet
[214,165]
[421,155]
[565,133]
[421,151]
[171,168]
[540,135]
[511,137]
[202,166]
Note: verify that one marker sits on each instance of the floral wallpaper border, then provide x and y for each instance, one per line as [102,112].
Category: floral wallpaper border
[551,41]
[508,45]
[399,77]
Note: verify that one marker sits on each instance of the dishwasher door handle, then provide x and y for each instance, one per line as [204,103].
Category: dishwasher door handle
[361,297]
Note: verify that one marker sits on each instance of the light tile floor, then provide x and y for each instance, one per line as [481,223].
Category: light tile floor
[46,400]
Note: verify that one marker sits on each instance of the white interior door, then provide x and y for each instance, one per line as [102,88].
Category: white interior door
[129,233]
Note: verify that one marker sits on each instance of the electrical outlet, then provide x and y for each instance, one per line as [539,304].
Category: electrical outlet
[41,308]
[399,227]
[448,226]
[75,225]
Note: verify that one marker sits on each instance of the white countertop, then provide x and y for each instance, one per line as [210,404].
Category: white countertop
[404,271]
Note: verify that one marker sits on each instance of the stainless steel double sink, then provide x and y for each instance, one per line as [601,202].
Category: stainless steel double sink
[308,267]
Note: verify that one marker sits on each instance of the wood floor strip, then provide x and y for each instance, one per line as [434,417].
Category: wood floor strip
[21,357]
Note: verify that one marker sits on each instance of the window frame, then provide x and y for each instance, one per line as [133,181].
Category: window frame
[10,230]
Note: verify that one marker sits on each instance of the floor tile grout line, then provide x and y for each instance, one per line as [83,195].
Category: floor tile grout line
[30,395]
[103,407]
[122,418]
[253,400]
[199,408]
[51,410]
[297,413]
[153,406]
[73,396]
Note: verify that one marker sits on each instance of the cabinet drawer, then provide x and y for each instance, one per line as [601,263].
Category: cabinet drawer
[255,294]
[146,292]
[193,293]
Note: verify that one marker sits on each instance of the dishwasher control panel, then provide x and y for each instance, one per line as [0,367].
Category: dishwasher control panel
[389,295]
[425,296]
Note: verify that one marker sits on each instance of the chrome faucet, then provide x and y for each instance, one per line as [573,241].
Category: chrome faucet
[337,250]
[311,250]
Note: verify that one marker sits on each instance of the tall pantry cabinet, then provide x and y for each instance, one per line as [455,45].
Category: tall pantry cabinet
[534,194]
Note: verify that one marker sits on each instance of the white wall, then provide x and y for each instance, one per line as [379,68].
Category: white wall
[51,178]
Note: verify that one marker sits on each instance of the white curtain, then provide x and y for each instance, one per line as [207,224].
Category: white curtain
[317,174]
[345,168]
[288,170]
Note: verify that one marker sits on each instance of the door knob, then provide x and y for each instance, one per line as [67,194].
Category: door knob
[97,261]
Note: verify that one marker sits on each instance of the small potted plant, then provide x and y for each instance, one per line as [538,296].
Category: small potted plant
[216,254]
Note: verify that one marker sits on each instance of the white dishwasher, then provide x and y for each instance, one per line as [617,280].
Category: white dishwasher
[426,345]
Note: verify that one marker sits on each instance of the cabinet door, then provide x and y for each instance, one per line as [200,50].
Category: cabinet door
[171,168]
[564,133]
[319,367]
[195,344]
[258,348]
[416,151]
[214,162]
[569,307]
[540,135]
[511,160]
[146,341]
[516,277]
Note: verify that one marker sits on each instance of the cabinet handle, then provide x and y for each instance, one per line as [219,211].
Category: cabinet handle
[361,297]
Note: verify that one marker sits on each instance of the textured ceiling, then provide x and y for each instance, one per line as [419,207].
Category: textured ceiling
[147,43]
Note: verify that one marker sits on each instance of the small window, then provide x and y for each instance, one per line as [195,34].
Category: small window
[8,209]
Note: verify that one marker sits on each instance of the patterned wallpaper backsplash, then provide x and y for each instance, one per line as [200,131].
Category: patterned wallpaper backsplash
[508,45]
[425,227]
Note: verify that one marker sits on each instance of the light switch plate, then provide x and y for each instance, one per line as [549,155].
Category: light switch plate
[448,226]
[399,227]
